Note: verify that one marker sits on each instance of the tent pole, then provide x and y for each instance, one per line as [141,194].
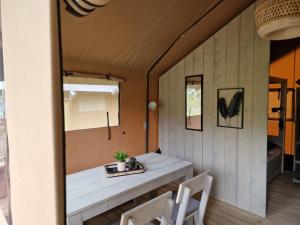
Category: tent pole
[147,113]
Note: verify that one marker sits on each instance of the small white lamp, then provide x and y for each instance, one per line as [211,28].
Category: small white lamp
[152,106]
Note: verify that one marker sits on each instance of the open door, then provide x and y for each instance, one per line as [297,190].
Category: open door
[277,114]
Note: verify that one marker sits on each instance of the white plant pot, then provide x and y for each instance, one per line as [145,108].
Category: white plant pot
[121,166]
[127,159]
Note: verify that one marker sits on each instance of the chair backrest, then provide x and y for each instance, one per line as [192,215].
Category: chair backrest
[2,218]
[202,182]
[161,206]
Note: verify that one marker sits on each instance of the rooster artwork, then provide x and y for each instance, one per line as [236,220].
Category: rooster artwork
[230,115]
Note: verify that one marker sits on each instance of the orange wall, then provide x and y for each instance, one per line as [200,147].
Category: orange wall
[89,148]
[285,63]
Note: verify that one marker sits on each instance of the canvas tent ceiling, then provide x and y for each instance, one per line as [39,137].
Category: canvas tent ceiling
[128,36]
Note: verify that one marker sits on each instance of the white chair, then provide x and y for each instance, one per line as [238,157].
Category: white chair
[186,207]
[161,206]
[2,218]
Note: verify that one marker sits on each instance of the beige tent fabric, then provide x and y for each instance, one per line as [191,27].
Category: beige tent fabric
[130,35]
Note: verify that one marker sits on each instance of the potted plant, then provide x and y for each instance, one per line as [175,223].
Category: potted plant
[121,158]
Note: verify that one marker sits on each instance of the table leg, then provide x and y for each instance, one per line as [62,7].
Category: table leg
[190,173]
[75,220]
[189,221]
[187,176]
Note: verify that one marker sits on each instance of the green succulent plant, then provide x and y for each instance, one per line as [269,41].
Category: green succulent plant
[121,156]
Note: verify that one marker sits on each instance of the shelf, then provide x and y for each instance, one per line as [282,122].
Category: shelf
[297,161]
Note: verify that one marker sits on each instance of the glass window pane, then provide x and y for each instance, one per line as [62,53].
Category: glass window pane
[90,103]
[5,214]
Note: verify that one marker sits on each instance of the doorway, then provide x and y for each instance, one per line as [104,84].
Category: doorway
[276,126]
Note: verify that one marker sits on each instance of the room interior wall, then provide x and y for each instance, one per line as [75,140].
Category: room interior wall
[33,103]
[285,63]
[90,147]
[234,57]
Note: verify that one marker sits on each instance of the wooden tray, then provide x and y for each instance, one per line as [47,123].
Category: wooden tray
[112,171]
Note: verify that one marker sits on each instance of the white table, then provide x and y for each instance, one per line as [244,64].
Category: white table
[90,192]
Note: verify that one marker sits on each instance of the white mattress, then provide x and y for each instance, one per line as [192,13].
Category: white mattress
[273,154]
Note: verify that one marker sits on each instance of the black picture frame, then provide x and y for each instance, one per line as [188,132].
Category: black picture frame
[241,109]
[185,108]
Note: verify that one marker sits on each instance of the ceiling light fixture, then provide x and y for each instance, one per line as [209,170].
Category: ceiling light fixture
[83,7]
[278,19]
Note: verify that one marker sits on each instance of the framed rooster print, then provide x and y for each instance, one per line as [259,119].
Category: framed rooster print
[230,108]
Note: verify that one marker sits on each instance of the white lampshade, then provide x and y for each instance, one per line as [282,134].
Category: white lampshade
[152,106]
[278,19]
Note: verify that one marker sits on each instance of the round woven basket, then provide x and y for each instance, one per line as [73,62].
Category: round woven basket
[278,19]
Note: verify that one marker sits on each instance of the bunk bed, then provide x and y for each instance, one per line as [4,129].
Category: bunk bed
[274,160]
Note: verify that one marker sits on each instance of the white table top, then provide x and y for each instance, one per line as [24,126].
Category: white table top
[89,188]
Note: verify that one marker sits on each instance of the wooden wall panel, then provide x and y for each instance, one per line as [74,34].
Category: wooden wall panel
[209,115]
[234,57]
[171,114]
[163,114]
[259,125]
[247,33]
[180,118]
[219,132]
[231,137]
[188,144]
[197,137]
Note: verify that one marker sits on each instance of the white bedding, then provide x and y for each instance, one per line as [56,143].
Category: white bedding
[274,153]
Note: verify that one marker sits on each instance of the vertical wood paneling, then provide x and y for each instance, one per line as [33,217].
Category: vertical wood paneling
[161,111]
[234,57]
[180,114]
[171,112]
[259,126]
[163,114]
[188,71]
[209,115]
[231,135]
[197,136]
[245,80]
[219,132]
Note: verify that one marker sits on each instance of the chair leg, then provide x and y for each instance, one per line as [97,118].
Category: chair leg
[189,221]
[197,220]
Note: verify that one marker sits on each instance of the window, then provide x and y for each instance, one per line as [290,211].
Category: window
[90,103]
[4,178]
[5,214]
